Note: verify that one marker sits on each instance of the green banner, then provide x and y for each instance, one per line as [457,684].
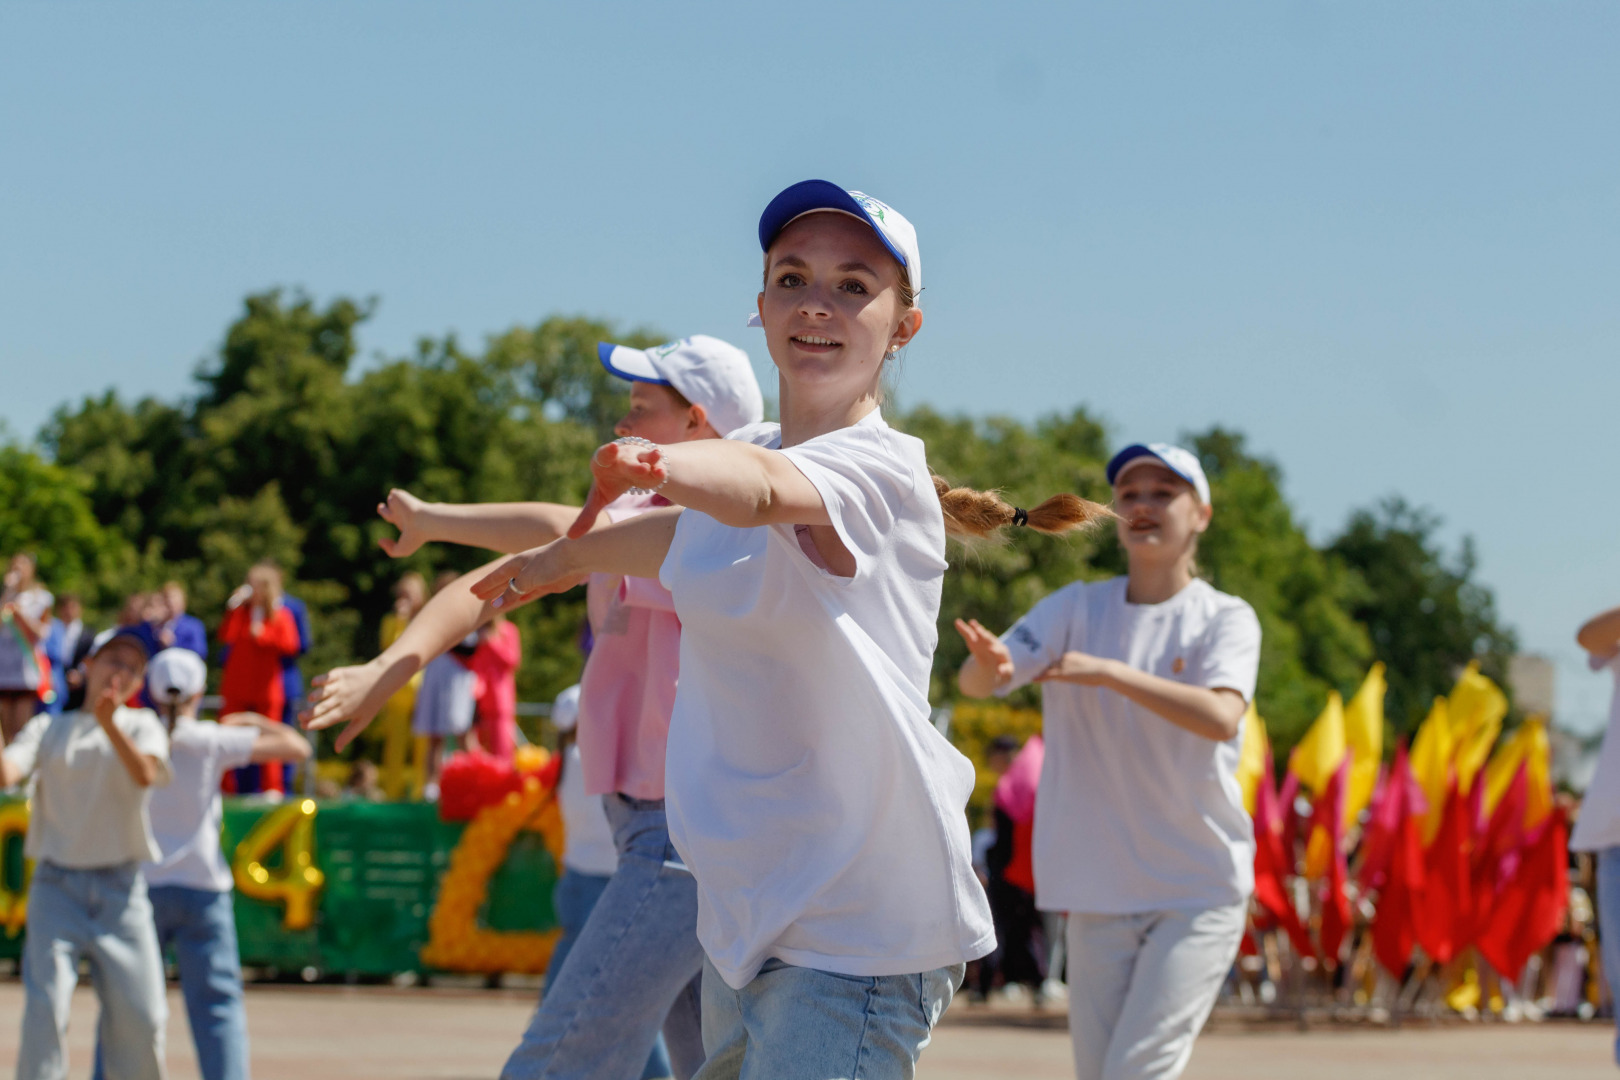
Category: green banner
[380,867]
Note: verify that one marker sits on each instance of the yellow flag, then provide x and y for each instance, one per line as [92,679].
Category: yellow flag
[1527,746]
[1477,707]
[1364,734]
[1254,757]
[1431,764]
[1319,753]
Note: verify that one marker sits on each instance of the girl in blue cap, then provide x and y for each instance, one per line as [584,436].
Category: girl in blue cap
[1140,831]
[819,810]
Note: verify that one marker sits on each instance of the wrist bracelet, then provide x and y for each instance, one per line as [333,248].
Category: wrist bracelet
[637,440]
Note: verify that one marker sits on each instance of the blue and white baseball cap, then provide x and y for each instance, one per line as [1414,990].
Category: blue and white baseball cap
[814,196]
[1184,463]
[707,372]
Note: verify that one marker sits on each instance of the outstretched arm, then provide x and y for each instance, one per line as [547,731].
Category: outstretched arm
[356,694]
[736,483]
[633,548]
[1600,636]
[504,527]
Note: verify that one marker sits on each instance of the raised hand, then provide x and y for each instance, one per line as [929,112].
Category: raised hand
[402,510]
[987,649]
[616,467]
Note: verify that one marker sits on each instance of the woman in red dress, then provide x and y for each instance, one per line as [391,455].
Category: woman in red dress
[259,631]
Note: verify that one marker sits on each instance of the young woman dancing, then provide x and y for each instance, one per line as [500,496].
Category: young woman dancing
[819,810]
[632,966]
[1140,831]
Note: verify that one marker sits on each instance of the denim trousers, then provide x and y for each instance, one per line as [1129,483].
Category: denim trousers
[631,966]
[574,899]
[199,927]
[1608,905]
[795,1023]
[103,916]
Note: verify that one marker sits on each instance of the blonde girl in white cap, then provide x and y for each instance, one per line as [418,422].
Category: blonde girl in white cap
[1140,831]
[631,971]
[819,810]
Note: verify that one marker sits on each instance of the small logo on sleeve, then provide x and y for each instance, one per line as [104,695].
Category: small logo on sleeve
[1023,636]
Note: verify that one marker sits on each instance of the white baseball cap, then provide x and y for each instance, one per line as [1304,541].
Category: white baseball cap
[813,196]
[705,370]
[176,675]
[1184,463]
[565,710]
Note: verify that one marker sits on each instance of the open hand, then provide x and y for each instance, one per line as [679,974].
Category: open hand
[401,510]
[1079,668]
[987,649]
[616,467]
[353,694]
[527,575]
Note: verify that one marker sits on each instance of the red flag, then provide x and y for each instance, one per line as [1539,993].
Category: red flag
[1397,826]
[1328,817]
[1529,909]
[1443,915]
[1271,866]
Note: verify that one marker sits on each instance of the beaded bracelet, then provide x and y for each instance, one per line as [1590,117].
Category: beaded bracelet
[637,440]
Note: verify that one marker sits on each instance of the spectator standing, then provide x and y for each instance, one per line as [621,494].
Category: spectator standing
[259,630]
[445,704]
[495,662]
[1011,889]
[1597,829]
[62,649]
[178,630]
[398,769]
[25,615]
[292,677]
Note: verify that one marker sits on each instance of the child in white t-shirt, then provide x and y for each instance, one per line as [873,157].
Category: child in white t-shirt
[818,809]
[189,883]
[88,833]
[1140,830]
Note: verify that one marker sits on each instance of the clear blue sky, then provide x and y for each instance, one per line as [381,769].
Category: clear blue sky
[1381,240]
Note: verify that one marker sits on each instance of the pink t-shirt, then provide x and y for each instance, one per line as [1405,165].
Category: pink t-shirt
[496,662]
[628,688]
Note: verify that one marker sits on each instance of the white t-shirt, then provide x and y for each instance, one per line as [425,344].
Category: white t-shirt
[1135,814]
[590,848]
[1598,825]
[86,811]
[186,814]
[820,811]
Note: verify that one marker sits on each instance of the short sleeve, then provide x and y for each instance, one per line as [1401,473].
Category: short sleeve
[1599,661]
[146,731]
[864,480]
[1230,657]
[640,592]
[1042,636]
[235,745]
[23,751]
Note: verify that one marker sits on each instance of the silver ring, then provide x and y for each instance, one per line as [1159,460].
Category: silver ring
[511,583]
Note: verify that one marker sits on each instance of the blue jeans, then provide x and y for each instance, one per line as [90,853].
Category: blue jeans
[200,927]
[102,915]
[573,899]
[628,970]
[1608,905]
[794,1023]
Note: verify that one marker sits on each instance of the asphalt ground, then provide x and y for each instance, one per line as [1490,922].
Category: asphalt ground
[326,1033]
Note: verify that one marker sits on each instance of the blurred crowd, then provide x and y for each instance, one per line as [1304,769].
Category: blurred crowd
[467,696]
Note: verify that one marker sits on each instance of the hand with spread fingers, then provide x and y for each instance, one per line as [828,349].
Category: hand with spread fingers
[353,694]
[993,657]
[617,467]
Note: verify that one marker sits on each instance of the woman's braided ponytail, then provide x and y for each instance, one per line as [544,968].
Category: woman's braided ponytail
[971,513]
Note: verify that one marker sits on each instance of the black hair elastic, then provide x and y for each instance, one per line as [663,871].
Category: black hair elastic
[1020,516]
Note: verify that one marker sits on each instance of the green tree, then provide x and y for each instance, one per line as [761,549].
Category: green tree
[1427,613]
[45,509]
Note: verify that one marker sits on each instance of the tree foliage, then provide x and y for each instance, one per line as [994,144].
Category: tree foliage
[285,450]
